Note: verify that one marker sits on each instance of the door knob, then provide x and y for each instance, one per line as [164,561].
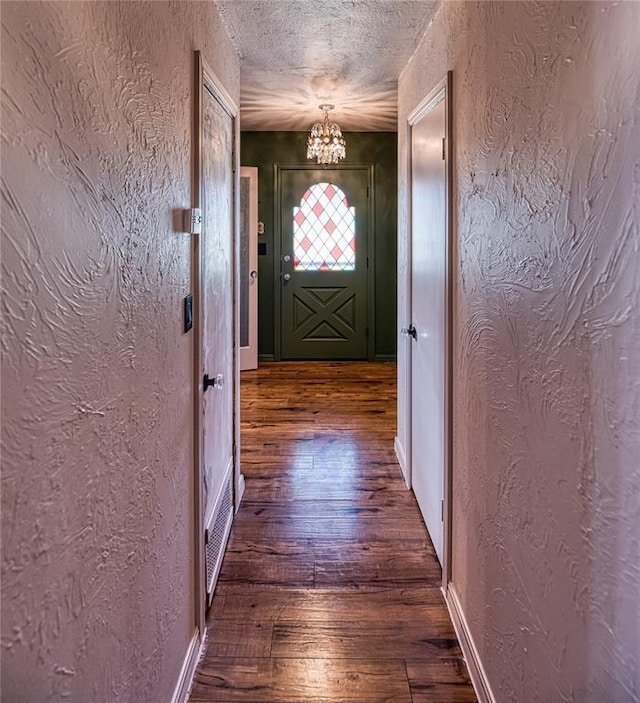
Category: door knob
[254,274]
[409,332]
[217,382]
[286,277]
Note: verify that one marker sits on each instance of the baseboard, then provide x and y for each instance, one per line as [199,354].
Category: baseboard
[185,680]
[384,357]
[469,650]
[240,484]
[402,460]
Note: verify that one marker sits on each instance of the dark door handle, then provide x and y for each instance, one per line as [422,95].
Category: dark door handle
[217,382]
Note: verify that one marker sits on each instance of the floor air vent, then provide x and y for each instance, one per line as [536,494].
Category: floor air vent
[216,537]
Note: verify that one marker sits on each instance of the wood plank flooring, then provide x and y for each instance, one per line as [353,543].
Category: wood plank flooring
[329,589]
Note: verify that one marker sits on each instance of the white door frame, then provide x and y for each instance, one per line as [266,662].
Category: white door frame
[443,90]
[249,354]
[204,76]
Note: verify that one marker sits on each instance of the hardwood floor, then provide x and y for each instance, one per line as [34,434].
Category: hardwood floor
[329,590]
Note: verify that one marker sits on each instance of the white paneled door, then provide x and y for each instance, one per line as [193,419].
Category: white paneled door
[216,323]
[429,328]
[217,297]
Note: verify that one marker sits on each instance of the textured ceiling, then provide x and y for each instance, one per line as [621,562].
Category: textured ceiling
[297,54]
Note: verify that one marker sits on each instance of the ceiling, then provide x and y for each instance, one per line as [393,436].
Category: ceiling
[297,54]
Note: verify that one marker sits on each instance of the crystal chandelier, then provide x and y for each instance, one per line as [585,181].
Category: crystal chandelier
[326,143]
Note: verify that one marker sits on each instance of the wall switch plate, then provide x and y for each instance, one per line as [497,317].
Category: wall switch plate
[188,312]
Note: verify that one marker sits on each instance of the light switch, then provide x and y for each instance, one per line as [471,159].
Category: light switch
[188,312]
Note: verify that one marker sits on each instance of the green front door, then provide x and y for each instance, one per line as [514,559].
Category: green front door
[324,222]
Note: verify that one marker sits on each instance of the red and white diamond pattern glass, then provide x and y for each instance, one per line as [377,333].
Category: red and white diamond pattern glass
[324,231]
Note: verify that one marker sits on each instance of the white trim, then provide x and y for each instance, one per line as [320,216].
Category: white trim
[470,652]
[238,477]
[188,670]
[219,91]
[432,99]
[240,485]
[402,460]
[249,354]
[404,316]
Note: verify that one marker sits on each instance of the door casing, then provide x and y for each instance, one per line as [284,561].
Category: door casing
[444,87]
[249,354]
[277,249]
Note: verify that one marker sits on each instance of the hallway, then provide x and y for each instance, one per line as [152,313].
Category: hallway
[329,589]
[125,128]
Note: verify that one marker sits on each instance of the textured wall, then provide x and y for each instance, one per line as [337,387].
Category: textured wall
[97,456]
[547,373]
[266,149]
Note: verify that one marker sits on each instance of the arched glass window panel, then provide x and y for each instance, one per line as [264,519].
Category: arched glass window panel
[324,230]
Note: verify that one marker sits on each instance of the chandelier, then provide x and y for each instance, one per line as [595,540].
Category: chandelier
[325,142]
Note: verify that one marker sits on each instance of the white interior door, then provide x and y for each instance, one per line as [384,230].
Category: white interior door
[248,268]
[428,303]
[217,325]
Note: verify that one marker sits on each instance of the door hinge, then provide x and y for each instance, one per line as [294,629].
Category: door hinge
[442,511]
[193,220]
[367,262]
[367,191]
[444,151]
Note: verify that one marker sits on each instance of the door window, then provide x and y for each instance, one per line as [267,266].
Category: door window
[324,230]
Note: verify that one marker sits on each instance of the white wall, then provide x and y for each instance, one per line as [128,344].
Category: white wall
[546,510]
[97,457]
